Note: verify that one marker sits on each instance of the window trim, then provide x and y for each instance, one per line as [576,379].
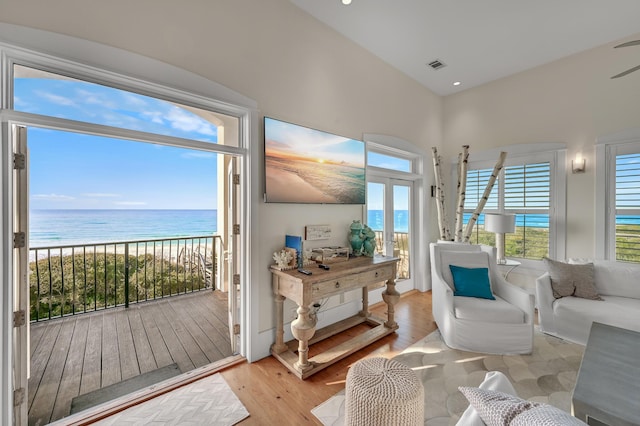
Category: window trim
[556,155]
[607,148]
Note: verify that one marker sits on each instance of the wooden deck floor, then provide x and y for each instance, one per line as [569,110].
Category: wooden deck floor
[76,355]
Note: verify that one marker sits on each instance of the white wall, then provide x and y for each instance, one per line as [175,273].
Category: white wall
[296,68]
[572,101]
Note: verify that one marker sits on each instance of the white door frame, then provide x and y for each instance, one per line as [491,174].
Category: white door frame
[422,180]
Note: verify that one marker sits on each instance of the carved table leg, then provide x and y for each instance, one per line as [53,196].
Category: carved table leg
[279,346]
[365,303]
[303,329]
[391,297]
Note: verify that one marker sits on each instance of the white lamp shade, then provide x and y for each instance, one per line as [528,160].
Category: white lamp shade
[500,223]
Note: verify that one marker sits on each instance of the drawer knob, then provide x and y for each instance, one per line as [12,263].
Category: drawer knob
[337,285]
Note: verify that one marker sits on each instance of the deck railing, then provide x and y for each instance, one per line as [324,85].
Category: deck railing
[400,250]
[72,279]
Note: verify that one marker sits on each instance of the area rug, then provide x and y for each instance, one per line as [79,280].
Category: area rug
[207,401]
[547,375]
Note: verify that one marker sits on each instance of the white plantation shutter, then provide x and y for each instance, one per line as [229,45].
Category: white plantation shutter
[524,190]
[527,194]
[627,234]
[476,184]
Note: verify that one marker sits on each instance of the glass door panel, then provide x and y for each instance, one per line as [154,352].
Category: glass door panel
[389,215]
[375,213]
[401,227]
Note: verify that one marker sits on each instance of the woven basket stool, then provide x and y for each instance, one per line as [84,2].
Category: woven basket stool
[383,392]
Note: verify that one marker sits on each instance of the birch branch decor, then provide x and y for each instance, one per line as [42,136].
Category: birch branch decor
[485,196]
[463,160]
[442,218]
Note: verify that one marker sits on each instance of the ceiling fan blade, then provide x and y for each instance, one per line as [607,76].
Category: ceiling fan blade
[629,43]
[629,71]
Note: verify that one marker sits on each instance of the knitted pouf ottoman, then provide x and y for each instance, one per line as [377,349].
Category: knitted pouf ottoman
[383,392]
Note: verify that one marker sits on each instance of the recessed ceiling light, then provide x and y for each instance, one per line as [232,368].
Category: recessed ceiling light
[345,2]
[456,83]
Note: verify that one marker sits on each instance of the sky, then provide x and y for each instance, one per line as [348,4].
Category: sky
[78,171]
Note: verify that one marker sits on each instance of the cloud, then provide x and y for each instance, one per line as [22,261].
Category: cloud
[52,197]
[56,99]
[182,120]
[95,98]
[130,203]
[100,195]
[198,154]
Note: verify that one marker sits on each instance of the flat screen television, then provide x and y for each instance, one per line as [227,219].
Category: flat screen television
[304,165]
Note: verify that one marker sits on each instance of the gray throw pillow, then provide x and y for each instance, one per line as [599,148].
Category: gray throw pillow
[501,409]
[572,279]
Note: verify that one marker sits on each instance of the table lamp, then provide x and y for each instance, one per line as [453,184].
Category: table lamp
[500,224]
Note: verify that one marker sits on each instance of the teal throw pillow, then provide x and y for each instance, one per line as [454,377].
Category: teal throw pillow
[471,282]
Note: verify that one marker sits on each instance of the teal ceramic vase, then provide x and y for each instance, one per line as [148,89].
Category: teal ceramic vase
[355,239]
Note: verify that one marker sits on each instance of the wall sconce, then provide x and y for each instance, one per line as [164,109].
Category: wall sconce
[579,165]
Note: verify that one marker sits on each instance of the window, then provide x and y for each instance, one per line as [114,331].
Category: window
[627,218]
[618,197]
[527,186]
[52,94]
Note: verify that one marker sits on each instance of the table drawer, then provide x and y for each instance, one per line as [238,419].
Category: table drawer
[328,288]
[380,274]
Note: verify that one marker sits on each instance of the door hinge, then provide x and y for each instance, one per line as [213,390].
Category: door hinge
[19,161]
[19,239]
[19,318]
[236,179]
[236,279]
[236,328]
[236,229]
[18,397]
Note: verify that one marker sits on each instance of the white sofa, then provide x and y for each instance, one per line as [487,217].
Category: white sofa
[501,326]
[570,317]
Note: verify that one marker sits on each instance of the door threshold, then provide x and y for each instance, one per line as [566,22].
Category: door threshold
[117,405]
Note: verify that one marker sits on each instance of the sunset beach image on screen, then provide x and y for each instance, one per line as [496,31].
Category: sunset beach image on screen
[304,165]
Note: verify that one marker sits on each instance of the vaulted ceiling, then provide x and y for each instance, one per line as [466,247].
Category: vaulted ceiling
[477,40]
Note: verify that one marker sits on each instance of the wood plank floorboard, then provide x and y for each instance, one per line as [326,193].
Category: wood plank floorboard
[177,351]
[72,373]
[92,367]
[40,357]
[144,353]
[75,355]
[111,372]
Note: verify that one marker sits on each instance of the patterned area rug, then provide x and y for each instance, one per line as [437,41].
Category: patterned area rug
[207,401]
[548,375]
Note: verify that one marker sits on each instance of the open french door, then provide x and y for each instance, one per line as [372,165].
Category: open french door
[21,277]
[233,247]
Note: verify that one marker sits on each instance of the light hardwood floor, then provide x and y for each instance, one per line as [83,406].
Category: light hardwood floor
[274,396]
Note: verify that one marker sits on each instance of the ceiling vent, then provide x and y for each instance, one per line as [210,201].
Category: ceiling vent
[437,64]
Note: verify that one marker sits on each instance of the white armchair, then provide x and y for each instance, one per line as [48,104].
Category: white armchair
[501,326]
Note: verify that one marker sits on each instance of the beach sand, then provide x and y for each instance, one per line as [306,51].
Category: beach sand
[288,186]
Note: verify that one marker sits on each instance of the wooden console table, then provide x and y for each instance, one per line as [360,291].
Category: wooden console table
[304,290]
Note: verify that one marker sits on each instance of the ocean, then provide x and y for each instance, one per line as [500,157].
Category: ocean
[375,219]
[66,227]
